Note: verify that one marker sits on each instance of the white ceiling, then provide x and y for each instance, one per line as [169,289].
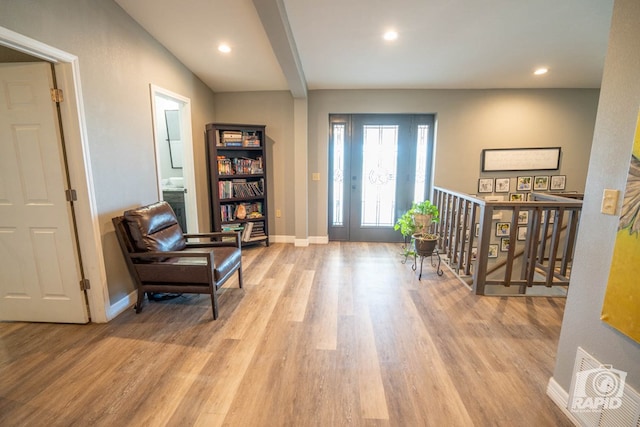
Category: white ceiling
[442,44]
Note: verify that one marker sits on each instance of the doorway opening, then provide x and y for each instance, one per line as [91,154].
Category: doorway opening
[174,155]
[379,164]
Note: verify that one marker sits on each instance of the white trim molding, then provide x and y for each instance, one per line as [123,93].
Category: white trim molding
[79,159]
[561,398]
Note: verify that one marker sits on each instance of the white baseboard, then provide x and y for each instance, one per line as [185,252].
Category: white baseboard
[115,309]
[302,243]
[281,239]
[313,240]
[319,240]
[561,398]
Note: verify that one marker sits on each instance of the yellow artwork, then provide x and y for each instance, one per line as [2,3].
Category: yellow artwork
[621,308]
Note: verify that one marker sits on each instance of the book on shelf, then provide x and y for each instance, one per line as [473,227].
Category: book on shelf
[225,189]
[225,166]
[247,189]
[233,227]
[251,139]
[246,234]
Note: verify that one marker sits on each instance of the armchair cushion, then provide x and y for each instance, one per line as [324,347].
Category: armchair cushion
[155,228]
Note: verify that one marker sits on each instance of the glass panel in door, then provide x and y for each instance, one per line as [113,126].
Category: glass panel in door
[380,172]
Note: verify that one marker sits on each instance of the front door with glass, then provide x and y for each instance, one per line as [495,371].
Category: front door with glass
[380,164]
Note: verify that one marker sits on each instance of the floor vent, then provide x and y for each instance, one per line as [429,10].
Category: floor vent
[599,396]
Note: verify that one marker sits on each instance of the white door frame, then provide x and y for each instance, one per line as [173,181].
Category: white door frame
[73,121]
[188,171]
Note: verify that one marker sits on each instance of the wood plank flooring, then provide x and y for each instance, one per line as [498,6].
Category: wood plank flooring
[342,334]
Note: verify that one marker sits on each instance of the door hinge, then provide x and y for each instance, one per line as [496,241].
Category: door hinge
[56,95]
[85,284]
[71,195]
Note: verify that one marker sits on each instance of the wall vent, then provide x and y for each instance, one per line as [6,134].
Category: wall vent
[599,396]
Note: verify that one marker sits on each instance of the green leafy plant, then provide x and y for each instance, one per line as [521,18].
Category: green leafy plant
[407,224]
[412,230]
[426,208]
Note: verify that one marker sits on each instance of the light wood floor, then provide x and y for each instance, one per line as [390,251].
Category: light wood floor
[330,335]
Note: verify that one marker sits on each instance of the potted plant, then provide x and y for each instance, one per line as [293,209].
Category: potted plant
[424,214]
[415,223]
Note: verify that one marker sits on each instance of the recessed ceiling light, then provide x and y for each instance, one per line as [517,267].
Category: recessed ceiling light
[390,35]
[225,48]
[541,71]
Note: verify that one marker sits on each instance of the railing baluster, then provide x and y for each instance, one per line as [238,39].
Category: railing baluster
[459,214]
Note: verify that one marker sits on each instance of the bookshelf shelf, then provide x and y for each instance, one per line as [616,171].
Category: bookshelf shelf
[237,174]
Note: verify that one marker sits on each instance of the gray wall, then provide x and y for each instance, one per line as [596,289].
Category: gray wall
[467,122]
[118,60]
[612,143]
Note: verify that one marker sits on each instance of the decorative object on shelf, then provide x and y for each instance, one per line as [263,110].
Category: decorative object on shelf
[241,212]
[237,172]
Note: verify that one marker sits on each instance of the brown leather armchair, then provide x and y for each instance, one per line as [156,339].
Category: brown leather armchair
[161,259]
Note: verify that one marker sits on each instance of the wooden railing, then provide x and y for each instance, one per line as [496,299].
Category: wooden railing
[506,248]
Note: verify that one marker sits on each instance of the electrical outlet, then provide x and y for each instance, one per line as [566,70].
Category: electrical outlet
[278,213]
[315,176]
[609,201]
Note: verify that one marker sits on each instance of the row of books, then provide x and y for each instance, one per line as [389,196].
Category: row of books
[239,166]
[231,189]
[232,138]
[253,231]
[228,211]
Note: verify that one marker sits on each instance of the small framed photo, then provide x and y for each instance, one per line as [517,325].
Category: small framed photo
[485,185]
[541,183]
[502,185]
[493,251]
[504,244]
[474,253]
[522,233]
[502,229]
[524,183]
[558,182]
[523,217]
[477,231]
[517,197]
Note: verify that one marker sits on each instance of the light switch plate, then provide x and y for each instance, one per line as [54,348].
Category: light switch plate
[609,201]
[315,176]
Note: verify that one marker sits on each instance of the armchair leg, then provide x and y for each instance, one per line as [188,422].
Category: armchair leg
[240,276]
[214,301]
[140,301]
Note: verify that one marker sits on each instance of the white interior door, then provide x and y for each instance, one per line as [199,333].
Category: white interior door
[39,268]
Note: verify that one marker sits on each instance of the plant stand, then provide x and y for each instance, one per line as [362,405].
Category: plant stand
[425,249]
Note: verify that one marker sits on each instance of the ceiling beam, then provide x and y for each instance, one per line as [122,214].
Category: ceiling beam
[275,22]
